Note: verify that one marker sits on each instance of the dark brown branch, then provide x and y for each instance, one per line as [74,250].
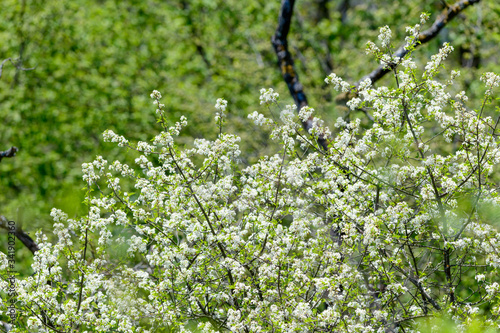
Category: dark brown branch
[447,15]
[285,63]
[424,293]
[4,222]
[19,233]
[13,227]
[11,152]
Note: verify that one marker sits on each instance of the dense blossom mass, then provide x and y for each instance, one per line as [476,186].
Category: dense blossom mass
[391,223]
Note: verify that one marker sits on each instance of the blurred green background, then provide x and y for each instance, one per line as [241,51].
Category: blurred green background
[96,62]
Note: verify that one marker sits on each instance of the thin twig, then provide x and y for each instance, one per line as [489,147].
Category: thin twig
[16,64]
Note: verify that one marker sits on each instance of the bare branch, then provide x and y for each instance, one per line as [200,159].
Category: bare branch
[447,15]
[285,63]
[19,233]
[11,152]
[16,64]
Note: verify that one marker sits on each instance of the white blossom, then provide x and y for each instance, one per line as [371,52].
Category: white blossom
[385,36]
[268,97]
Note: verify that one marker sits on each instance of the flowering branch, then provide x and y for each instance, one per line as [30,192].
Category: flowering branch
[447,15]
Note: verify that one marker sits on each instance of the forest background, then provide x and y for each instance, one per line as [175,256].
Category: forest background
[94,64]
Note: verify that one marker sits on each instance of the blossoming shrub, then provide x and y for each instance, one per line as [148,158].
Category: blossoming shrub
[390,224]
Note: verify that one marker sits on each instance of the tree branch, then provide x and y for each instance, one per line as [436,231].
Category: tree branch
[285,63]
[16,64]
[19,233]
[447,15]
[11,152]
[4,222]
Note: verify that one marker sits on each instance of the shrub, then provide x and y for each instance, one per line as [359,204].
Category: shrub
[394,222]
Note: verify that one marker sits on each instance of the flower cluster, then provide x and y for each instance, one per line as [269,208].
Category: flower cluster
[337,82]
[268,97]
[437,60]
[491,81]
[385,36]
[221,106]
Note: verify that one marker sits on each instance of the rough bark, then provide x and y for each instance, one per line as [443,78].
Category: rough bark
[286,64]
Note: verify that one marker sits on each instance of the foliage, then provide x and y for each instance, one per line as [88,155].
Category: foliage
[394,222]
[95,64]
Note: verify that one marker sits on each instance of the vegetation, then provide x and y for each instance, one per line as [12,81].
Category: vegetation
[395,220]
